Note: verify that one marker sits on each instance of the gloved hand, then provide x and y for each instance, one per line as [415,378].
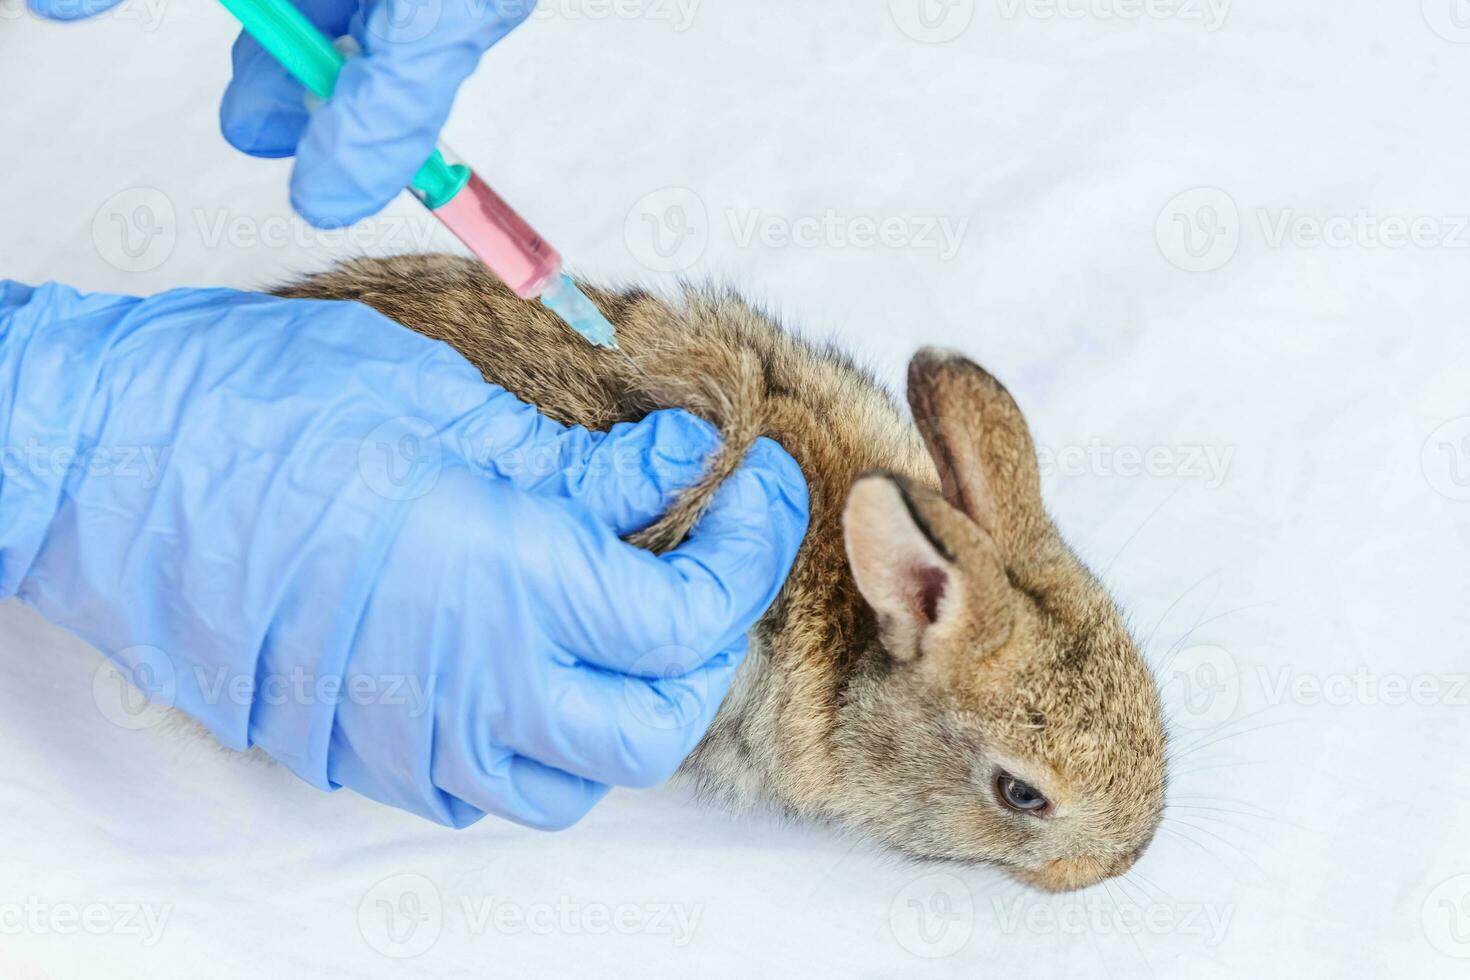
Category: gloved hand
[361,148]
[318,532]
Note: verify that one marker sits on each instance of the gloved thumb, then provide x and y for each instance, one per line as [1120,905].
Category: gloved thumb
[70,9]
[364,146]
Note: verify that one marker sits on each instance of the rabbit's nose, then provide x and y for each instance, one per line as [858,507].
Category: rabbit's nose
[1070,873]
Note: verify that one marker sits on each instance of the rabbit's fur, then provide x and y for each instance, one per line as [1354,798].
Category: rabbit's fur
[935,631]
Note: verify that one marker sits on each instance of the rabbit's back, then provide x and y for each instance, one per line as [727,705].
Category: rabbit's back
[708,352]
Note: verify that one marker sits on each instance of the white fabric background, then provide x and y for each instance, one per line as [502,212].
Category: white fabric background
[1316,835]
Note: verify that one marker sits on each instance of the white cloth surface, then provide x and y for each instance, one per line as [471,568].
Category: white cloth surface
[1298,534]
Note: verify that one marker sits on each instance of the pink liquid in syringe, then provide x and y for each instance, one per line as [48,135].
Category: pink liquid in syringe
[500,238]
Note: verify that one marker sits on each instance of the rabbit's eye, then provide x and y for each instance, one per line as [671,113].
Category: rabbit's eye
[1019,796]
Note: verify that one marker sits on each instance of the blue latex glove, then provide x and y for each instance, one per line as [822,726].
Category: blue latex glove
[353,552]
[354,154]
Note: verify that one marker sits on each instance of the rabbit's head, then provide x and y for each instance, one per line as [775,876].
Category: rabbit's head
[1002,714]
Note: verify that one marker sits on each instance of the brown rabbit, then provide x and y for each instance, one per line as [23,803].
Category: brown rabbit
[940,672]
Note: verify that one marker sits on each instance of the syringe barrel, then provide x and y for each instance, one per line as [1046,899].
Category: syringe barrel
[498,236]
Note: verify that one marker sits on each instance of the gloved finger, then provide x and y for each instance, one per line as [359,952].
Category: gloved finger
[524,790]
[655,616]
[70,9]
[627,476]
[263,111]
[52,301]
[364,146]
[626,730]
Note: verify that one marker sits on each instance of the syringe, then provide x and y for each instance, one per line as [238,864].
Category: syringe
[453,193]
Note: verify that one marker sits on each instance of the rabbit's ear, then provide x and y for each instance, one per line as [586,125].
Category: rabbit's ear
[932,577]
[981,446]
